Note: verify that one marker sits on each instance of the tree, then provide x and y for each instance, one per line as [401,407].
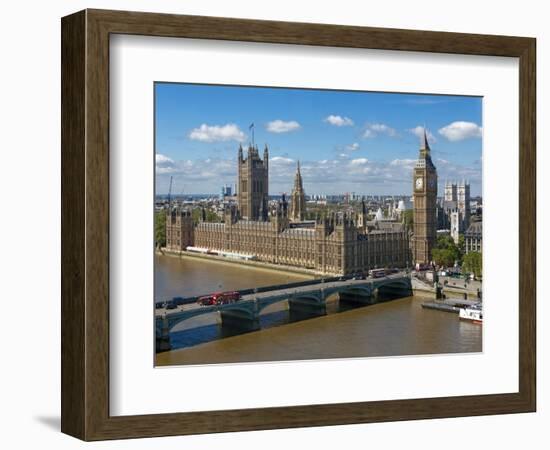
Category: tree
[160,229]
[461,245]
[444,257]
[408,218]
[473,262]
[210,216]
[446,251]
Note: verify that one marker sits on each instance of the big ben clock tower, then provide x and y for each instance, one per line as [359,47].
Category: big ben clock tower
[425,197]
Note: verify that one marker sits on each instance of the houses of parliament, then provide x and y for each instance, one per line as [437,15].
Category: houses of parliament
[277,233]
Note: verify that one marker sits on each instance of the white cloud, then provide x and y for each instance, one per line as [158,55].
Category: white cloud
[374,129]
[352,147]
[402,162]
[164,164]
[280,126]
[339,121]
[460,130]
[338,174]
[418,131]
[281,160]
[164,170]
[369,133]
[214,133]
[162,159]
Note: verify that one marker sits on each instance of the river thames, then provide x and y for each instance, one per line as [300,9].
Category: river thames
[397,327]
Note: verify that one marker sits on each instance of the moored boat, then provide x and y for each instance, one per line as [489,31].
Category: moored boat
[472,313]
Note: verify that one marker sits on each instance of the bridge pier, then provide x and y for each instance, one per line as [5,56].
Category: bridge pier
[304,302]
[356,299]
[163,344]
[299,307]
[162,339]
[391,293]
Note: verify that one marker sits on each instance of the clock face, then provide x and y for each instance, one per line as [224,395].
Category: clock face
[418,183]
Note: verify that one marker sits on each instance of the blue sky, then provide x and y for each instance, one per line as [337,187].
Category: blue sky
[363,142]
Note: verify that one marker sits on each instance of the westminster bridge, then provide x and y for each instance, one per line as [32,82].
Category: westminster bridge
[308,297]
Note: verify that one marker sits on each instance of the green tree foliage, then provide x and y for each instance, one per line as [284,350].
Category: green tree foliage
[408,218]
[461,244]
[443,257]
[160,229]
[446,252]
[211,216]
[473,262]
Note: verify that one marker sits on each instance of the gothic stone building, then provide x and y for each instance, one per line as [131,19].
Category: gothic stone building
[473,238]
[297,198]
[425,199]
[455,208]
[253,184]
[338,244]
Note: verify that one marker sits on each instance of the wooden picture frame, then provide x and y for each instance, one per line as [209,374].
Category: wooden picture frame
[85,224]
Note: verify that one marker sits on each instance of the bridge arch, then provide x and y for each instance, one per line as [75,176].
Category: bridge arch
[193,320]
[394,288]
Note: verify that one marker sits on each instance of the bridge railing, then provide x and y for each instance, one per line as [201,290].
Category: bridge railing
[188,300]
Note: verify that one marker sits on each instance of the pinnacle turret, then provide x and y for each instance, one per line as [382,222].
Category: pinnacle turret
[424,141]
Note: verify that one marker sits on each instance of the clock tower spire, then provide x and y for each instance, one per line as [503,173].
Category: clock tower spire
[425,199]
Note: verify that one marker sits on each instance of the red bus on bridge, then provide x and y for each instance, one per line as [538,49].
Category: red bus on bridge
[219,298]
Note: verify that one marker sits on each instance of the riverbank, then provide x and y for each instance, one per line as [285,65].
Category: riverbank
[256,264]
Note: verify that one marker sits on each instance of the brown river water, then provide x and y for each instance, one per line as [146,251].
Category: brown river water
[396,327]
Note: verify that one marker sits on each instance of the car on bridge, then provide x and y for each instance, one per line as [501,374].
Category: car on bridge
[219,298]
[358,276]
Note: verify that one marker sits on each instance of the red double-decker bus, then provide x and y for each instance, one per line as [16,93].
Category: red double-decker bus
[219,298]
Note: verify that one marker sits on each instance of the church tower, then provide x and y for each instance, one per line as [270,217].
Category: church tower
[297,198]
[464,202]
[179,229]
[425,199]
[253,184]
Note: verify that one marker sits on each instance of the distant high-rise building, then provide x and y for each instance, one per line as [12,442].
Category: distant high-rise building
[297,198]
[425,198]
[253,184]
[226,191]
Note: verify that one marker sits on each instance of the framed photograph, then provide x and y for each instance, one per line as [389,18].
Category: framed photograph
[273,225]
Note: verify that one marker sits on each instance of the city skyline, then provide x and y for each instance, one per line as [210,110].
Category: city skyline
[362,142]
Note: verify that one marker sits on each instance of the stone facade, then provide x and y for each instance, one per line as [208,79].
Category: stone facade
[425,200]
[473,238]
[456,225]
[342,243]
[180,231]
[455,208]
[297,198]
[253,184]
[334,245]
